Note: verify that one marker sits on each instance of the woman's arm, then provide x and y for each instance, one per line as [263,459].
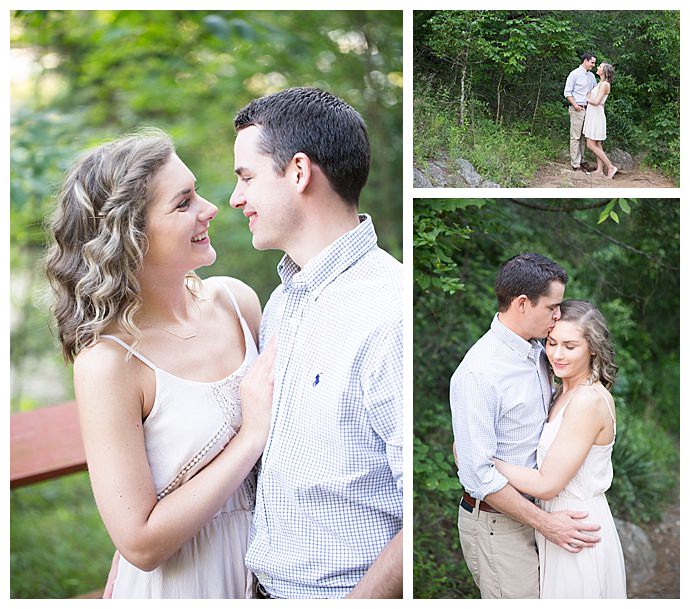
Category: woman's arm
[603,89]
[144,530]
[582,422]
[384,578]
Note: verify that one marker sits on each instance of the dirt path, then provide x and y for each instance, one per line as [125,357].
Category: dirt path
[665,537]
[560,175]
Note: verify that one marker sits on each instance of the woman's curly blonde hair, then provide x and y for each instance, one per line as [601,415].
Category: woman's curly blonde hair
[596,332]
[99,240]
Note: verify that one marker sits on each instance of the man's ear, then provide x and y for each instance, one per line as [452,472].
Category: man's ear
[300,171]
[521,302]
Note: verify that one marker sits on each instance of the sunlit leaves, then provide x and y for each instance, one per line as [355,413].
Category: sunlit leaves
[610,210]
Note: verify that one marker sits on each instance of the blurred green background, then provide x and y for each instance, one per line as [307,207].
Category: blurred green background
[621,254]
[81,77]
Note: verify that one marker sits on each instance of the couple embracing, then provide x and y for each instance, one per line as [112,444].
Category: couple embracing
[587,117]
[535,462]
[219,472]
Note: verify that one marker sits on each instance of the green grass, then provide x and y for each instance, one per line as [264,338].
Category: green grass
[509,156]
[58,545]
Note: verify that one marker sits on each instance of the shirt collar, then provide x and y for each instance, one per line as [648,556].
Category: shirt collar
[525,348]
[332,261]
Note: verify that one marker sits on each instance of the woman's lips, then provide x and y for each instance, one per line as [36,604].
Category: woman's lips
[201,238]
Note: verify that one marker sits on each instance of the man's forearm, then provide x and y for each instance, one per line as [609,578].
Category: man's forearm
[508,501]
[384,579]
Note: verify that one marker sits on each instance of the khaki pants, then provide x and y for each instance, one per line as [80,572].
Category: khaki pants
[577,138]
[501,554]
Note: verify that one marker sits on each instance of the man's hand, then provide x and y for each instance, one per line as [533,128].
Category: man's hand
[578,107]
[566,529]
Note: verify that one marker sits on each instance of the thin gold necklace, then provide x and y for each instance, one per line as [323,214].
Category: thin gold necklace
[196,333]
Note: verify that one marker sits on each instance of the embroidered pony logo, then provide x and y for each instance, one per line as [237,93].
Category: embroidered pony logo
[317,379]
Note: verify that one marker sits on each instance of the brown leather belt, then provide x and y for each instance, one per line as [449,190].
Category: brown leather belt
[468,502]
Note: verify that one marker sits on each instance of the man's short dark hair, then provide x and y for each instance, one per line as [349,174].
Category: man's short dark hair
[586,57]
[330,132]
[528,274]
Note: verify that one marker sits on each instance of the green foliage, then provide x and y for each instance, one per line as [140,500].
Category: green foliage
[439,570]
[630,268]
[434,241]
[514,65]
[645,466]
[432,469]
[610,212]
[58,544]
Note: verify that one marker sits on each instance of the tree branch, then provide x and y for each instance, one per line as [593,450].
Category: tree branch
[625,245]
[532,205]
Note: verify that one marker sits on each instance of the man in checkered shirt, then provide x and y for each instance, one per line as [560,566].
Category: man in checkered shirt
[500,396]
[328,517]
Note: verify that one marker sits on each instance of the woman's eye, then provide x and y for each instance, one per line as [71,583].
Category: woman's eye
[184,204]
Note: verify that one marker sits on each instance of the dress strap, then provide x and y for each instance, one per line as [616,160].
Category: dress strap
[567,403]
[601,392]
[233,300]
[135,353]
[606,396]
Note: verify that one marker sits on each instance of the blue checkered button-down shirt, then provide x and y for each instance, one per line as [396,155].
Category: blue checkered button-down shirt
[499,399]
[329,495]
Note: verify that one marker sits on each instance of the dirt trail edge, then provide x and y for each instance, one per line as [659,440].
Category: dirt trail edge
[560,175]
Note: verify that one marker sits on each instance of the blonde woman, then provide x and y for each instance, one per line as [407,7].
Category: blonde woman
[574,457]
[595,119]
[173,423]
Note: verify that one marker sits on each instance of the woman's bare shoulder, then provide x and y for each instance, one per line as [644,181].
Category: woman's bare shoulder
[590,401]
[246,297]
[102,370]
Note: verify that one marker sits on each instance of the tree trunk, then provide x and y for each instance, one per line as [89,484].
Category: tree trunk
[536,103]
[498,99]
[462,87]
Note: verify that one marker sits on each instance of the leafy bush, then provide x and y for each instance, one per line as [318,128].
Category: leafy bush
[645,462]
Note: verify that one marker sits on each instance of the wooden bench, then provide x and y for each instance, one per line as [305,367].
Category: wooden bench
[45,444]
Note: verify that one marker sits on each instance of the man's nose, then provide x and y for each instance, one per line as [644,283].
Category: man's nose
[557,314]
[237,197]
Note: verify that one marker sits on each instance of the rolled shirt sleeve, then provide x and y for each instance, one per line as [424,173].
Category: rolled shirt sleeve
[569,85]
